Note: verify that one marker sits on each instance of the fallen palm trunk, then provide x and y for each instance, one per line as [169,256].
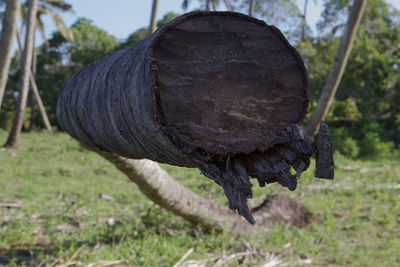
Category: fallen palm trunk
[215,90]
[156,184]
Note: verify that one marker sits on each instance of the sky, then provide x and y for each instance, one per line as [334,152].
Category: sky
[122,17]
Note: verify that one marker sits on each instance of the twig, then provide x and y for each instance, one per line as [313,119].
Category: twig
[10,205]
[54,262]
[221,262]
[106,263]
[67,263]
[190,251]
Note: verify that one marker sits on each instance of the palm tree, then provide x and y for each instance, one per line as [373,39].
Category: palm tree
[153,17]
[304,23]
[25,75]
[207,4]
[6,42]
[36,96]
[339,64]
[251,8]
[52,9]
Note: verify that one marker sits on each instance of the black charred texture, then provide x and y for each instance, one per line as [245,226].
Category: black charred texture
[220,91]
[233,177]
[269,166]
[324,166]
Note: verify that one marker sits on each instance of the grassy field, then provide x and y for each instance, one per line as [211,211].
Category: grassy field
[60,204]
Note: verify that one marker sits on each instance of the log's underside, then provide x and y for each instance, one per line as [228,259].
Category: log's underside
[217,90]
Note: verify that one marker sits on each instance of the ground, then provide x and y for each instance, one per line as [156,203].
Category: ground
[60,204]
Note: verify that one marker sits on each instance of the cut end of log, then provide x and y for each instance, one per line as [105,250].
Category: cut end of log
[226,82]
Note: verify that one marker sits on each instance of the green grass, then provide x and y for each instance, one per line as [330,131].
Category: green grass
[57,185]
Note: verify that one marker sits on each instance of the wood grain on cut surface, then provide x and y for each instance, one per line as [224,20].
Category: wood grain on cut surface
[225,83]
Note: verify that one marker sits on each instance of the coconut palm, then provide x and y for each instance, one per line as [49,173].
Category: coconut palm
[25,75]
[6,42]
[51,8]
[153,19]
[338,67]
[251,8]
[206,4]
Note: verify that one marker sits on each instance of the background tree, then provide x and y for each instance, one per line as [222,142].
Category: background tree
[338,67]
[251,8]
[363,111]
[36,98]
[25,74]
[205,4]
[141,33]
[9,28]
[283,14]
[52,8]
[153,17]
[91,42]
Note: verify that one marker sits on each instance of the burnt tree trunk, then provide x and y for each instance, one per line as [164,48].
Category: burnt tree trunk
[219,91]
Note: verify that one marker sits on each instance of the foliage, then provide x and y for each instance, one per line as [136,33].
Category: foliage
[372,147]
[52,9]
[369,90]
[283,14]
[344,144]
[91,43]
[61,210]
[343,109]
[144,31]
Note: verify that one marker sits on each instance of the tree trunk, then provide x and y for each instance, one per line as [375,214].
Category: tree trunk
[32,101]
[251,8]
[220,91]
[208,5]
[153,17]
[39,102]
[339,64]
[35,90]
[304,23]
[25,75]
[9,28]
[228,5]
[164,191]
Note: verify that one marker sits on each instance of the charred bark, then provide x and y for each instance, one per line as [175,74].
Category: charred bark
[219,91]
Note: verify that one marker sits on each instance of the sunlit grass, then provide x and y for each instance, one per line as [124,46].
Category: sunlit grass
[56,186]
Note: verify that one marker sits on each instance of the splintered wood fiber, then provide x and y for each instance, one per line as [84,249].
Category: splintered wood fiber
[220,91]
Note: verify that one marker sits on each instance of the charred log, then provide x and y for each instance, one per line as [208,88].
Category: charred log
[219,91]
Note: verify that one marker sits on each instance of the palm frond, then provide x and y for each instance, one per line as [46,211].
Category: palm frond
[66,32]
[40,26]
[57,5]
